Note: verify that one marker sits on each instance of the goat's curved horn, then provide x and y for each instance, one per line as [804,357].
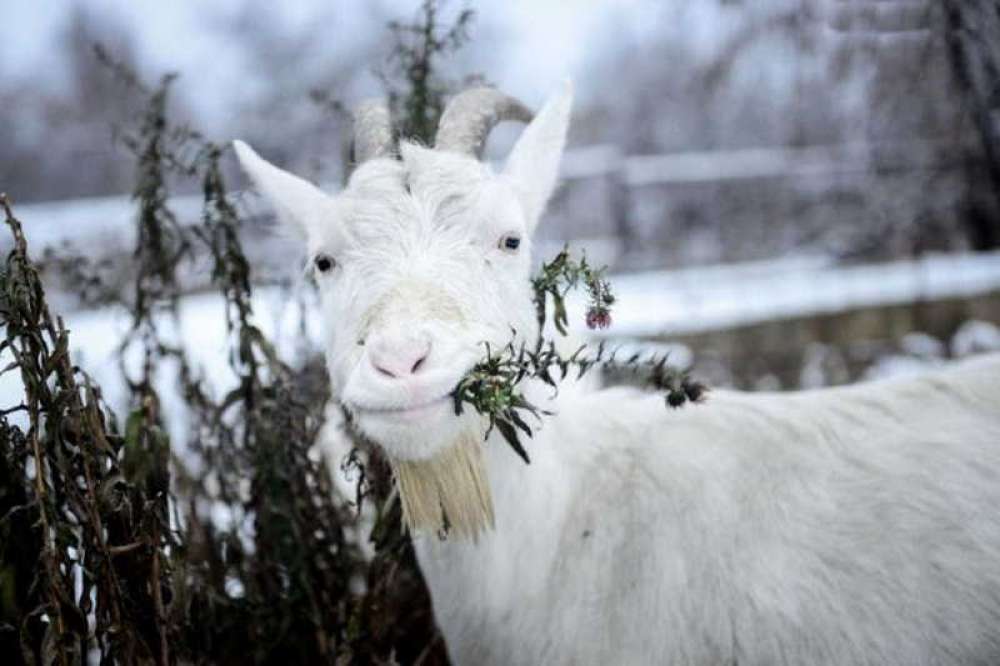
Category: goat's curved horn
[372,130]
[469,117]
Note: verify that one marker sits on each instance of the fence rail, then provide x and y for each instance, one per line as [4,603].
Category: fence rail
[104,226]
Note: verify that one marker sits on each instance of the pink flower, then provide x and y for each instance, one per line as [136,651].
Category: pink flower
[598,318]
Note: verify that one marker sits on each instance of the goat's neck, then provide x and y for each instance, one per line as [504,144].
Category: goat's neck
[530,501]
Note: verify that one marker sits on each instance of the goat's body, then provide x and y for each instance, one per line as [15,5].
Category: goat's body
[857,525]
[850,526]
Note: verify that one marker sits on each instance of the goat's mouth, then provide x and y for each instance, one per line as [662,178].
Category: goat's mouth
[407,411]
[414,424]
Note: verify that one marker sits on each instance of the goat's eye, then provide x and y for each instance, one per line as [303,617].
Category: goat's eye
[324,263]
[509,243]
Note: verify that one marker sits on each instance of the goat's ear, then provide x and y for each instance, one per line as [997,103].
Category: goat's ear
[298,203]
[533,165]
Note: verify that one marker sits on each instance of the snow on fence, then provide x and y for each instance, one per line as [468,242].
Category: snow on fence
[697,300]
[100,218]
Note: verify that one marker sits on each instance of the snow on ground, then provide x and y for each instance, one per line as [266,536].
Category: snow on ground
[95,336]
[663,303]
[975,337]
[921,351]
[90,219]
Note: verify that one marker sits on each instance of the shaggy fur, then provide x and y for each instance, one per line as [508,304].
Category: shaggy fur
[845,526]
[448,491]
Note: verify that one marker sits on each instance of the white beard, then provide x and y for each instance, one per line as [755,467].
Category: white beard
[449,491]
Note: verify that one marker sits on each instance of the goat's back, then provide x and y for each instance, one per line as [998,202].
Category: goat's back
[856,525]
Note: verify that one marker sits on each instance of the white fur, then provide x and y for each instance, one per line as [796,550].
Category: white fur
[848,526]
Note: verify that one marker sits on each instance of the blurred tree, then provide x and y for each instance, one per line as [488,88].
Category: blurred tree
[766,77]
[292,66]
[416,88]
[886,90]
[58,131]
[934,79]
[913,128]
[972,29]
[58,136]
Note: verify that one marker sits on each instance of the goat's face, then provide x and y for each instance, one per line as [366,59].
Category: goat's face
[420,261]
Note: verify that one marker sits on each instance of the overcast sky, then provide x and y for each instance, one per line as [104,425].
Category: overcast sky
[542,41]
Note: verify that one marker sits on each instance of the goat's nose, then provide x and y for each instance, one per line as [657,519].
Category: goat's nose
[400,355]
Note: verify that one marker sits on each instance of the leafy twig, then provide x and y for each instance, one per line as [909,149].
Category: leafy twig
[558,277]
[493,386]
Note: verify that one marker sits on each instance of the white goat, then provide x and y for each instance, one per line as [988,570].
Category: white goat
[847,526]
